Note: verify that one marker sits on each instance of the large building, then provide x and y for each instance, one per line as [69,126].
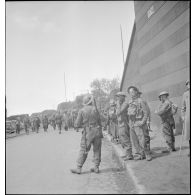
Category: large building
[158,58]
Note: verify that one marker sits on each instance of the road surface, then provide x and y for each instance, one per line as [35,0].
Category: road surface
[41,163]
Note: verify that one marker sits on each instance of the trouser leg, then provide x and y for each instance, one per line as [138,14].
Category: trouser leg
[168,135]
[147,138]
[97,144]
[84,149]
[125,140]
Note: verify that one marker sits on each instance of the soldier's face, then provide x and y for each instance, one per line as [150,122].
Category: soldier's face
[121,99]
[163,98]
[132,93]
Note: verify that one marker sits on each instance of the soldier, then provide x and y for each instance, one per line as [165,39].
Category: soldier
[18,125]
[26,124]
[165,112]
[59,121]
[185,113]
[123,127]
[37,124]
[89,118]
[138,116]
[146,133]
[45,123]
[53,122]
[113,121]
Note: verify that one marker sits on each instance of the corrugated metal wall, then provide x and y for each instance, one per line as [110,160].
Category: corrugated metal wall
[158,56]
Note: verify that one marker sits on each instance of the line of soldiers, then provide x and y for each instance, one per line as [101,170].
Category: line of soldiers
[59,119]
[129,122]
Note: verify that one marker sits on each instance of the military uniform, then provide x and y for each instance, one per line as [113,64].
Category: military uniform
[123,128]
[26,124]
[37,124]
[138,116]
[58,120]
[45,123]
[18,127]
[168,123]
[113,123]
[89,118]
[53,122]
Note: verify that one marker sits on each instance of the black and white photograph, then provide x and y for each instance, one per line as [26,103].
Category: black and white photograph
[97,97]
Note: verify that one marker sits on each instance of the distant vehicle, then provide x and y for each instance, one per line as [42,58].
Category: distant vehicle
[10,126]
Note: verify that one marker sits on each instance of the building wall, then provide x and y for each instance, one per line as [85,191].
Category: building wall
[158,58]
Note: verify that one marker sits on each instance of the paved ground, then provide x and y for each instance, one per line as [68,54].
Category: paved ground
[166,173]
[40,163]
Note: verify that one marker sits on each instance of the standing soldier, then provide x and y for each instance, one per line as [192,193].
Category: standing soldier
[18,125]
[146,133]
[138,115]
[165,112]
[89,118]
[45,123]
[59,121]
[123,127]
[113,121]
[26,124]
[185,113]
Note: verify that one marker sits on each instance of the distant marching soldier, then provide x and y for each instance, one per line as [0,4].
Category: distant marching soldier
[53,122]
[168,123]
[37,124]
[185,113]
[59,121]
[26,124]
[45,123]
[18,125]
[123,127]
[89,118]
[138,115]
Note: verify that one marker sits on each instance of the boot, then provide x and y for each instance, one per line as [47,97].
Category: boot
[76,171]
[148,157]
[95,169]
[128,157]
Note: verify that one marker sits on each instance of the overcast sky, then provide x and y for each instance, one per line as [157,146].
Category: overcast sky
[46,39]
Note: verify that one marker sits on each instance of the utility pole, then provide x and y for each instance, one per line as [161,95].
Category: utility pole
[122,45]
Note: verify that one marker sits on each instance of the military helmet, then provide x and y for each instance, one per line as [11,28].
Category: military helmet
[135,88]
[87,99]
[120,93]
[187,81]
[112,102]
[163,93]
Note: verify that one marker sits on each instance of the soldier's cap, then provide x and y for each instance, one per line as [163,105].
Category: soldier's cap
[187,81]
[163,93]
[135,88]
[112,102]
[87,99]
[120,93]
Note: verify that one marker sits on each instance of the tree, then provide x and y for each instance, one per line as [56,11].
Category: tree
[103,89]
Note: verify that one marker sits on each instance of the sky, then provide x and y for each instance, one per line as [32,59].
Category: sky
[46,39]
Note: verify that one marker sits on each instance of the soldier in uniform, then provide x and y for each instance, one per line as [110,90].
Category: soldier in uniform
[26,124]
[45,123]
[185,113]
[59,121]
[112,117]
[89,118]
[18,125]
[123,127]
[53,122]
[165,112]
[37,124]
[138,116]
[146,133]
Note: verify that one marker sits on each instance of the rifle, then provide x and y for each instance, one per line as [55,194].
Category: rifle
[99,118]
